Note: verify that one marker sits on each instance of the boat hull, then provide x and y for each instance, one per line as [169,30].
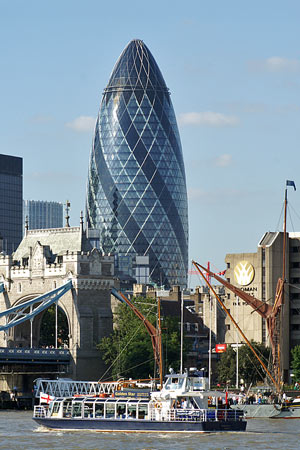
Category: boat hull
[262,411]
[289,413]
[140,426]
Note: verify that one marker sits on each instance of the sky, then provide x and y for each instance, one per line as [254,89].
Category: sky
[233,69]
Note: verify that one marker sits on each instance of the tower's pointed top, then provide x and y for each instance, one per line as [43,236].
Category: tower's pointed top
[136,69]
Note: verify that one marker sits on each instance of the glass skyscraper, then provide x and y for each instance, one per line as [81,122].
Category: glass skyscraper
[11,202]
[136,193]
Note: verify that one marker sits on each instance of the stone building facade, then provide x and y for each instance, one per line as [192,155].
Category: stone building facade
[46,259]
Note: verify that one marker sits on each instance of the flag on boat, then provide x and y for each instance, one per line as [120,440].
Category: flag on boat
[291,183]
[46,398]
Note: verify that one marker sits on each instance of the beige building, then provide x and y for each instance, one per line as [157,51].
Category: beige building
[257,274]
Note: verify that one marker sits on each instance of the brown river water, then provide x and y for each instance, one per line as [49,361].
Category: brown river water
[19,432]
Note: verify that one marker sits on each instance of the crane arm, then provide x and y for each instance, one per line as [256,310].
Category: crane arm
[262,308]
[153,332]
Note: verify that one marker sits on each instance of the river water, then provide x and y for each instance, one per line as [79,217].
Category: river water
[19,432]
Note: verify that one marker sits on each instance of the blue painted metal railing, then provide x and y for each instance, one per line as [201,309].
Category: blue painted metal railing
[16,315]
[1,287]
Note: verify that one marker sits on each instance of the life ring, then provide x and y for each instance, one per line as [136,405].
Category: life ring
[158,405]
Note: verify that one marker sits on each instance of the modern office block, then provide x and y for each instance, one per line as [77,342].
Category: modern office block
[42,214]
[136,194]
[11,198]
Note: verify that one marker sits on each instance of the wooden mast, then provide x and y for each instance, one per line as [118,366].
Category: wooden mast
[160,345]
[237,326]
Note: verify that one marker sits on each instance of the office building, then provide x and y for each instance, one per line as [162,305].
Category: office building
[257,274]
[136,194]
[42,214]
[11,198]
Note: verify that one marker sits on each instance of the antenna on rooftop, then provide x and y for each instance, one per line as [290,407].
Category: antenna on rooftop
[68,204]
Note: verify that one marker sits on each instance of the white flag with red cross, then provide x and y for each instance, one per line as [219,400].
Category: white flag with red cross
[46,398]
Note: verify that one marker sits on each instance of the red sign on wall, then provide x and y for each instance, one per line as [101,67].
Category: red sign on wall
[221,348]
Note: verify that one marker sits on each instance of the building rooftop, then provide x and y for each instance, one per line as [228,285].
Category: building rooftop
[59,240]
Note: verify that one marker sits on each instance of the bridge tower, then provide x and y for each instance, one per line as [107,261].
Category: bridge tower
[45,260]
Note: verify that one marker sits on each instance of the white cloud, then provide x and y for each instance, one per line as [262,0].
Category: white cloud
[277,64]
[82,124]
[209,118]
[224,160]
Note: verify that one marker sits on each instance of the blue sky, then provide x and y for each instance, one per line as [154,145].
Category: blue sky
[233,69]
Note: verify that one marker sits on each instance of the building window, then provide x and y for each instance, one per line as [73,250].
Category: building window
[227,327]
[228,296]
[19,288]
[263,257]
[295,265]
[228,265]
[228,279]
[25,262]
[54,284]
[295,280]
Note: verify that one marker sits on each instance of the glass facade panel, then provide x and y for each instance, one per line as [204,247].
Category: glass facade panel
[42,214]
[11,198]
[136,184]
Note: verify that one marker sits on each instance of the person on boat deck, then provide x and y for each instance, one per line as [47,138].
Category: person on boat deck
[184,403]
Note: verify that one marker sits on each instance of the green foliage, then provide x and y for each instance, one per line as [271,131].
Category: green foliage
[250,370]
[47,332]
[296,362]
[129,349]
[226,367]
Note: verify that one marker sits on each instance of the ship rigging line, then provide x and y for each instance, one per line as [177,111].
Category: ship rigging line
[124,348]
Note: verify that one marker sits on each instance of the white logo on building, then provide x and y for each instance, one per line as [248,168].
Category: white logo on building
[244,273]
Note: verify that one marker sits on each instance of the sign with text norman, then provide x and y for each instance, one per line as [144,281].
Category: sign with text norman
[244,273]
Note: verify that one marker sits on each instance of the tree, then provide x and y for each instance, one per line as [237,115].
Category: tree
[250,370]
[296,362]
[47,330]
[128,350]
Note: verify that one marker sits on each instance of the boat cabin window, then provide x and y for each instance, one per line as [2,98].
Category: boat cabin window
[142,411]
[99,410]
[67,408]
[55,408]
[76,409]
[195,383]
[131,411]
[109,410]
[121,410]
[88,409]
[174,383]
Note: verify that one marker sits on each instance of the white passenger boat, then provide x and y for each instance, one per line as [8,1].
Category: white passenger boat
[180,406]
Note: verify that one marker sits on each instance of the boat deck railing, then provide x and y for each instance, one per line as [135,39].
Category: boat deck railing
[200,415]
[172,415]
[40,412]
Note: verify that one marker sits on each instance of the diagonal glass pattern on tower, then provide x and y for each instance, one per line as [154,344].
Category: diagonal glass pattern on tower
[136,193]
